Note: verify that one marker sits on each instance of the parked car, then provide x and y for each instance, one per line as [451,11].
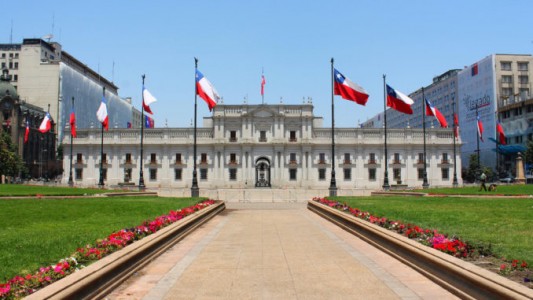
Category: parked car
[507,179]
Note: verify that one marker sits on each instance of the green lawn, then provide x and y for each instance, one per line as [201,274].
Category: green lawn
[32,190]
[506,224]
[35,233]
[512,189]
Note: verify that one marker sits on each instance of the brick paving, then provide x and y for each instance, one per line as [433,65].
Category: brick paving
[275,251]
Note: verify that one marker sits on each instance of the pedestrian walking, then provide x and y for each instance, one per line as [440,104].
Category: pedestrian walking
[483,179]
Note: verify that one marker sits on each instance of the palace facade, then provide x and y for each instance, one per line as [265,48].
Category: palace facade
[259,147]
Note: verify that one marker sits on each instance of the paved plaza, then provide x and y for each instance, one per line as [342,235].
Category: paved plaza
[275,251]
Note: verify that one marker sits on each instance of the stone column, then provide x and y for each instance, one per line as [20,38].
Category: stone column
[520,178]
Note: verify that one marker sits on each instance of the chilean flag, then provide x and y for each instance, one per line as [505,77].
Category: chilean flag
[148,122]
[206,90]
[347,89]
[433,111]
[263,82]
[456,123]
[72,122]
[399,101]
[101,114]
[27,133]
[501,134]
[46,125]
[147,100]
[479,127]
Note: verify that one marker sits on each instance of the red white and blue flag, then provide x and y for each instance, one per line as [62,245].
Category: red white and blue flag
[101,114]
[433,111]
[27,132]
[148,122]
[479,127]
[263,82]
[72,122]
[456,123]
[206,90]
[147,100]
[46,124]
[501,133]
[399,101]
[347,89]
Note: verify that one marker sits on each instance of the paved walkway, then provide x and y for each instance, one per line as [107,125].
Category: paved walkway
[275,252]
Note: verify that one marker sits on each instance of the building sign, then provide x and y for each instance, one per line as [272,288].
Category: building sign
[477,94]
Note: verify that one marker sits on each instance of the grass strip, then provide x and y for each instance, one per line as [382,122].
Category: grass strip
[513,189]
[35,233]
[504,224]
[7,190]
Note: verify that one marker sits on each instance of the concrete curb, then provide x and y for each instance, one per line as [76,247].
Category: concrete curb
[461,278]
[99,278]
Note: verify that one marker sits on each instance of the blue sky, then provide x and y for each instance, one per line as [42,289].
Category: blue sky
[409,41]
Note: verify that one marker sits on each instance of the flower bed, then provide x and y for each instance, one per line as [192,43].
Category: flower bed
[20,286]
[429,237]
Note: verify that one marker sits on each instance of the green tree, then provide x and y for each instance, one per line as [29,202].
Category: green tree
[528,156]
[474,170]
[10,162]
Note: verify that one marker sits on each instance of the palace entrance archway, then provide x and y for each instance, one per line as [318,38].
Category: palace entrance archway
[262,172]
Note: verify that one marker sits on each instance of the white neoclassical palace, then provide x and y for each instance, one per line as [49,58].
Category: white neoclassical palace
[263,147]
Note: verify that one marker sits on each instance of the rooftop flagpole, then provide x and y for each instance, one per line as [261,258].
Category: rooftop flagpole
[263,86]
[333,183]
[455,182]
[70,180]
[195,191]
[142,187]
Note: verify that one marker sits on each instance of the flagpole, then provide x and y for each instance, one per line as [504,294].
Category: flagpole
[497,143]
[46,148]
[455,183]
[333,184]
[386,185]
[262,86]
[195,191]
[101,181]
[70,181]
[477,140]
[425,183]
[141,173]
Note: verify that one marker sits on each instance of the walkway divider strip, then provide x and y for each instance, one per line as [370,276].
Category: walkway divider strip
[101,277]
[461,278]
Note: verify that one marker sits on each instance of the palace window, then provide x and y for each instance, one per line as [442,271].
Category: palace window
[104,174]
[321,174]
[420,172]
[420,158]
[178,158]
[128,158]
[178,174]
[372,158]
[445,158]
[262,136]
[79,174]
[127,174]
[203,158]
[153,159]
[104,158]
[347,173]
[233,136]
[79,158]
[347,159]
[232,174]
[445,173]
[233,158]
[203,174]
[292,136]
[321,158]
[372,174]
[292,158]
[397,174]
[292,174]
[396,158]
[153,174]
